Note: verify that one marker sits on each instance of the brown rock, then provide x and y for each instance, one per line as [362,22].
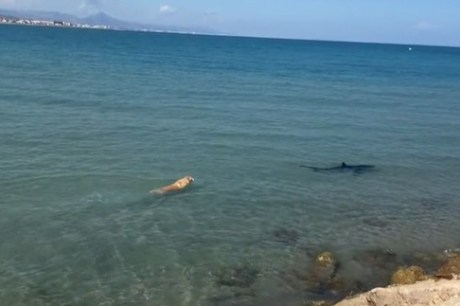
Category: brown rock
[407,276]
[449,267]
[325,259]
[429,261]
[382,261]
[325,267]
[426,293]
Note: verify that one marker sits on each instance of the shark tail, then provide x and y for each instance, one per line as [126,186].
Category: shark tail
[309,167]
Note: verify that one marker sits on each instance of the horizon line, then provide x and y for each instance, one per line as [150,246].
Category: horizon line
[236,35]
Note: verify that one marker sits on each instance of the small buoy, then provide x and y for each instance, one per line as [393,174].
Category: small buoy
[410,49]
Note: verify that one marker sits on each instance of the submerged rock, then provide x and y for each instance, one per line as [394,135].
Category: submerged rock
[317,278]
[325,259]
[241,275]
[325,268]
[427,260]
[231,296]
[430,204]
[368,269]
[380,262]
[375,222]
[407,276]
[452,252]
[286,236]
[327,282]
[449,267]
[377,258]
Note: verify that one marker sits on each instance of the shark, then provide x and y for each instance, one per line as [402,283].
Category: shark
[343,168]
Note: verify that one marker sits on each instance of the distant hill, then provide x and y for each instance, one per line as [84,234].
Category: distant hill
[101,19]
[104,19]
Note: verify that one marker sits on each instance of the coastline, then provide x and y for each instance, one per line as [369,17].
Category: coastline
[415,283]
[5,20]
[429,292]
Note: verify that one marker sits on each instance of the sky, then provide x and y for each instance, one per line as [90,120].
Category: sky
[428,22]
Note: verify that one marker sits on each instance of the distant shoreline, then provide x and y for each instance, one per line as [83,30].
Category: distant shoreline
[108,28]
[53,27]
[7,20]
[101,27]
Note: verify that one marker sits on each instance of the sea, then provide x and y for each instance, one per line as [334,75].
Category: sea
[92,120]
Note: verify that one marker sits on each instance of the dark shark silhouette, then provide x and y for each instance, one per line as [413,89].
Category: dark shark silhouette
[343,167]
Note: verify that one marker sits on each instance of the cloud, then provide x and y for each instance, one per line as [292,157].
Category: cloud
[425,26]
[211,13]
[89,5]
[167,9]
[7,3]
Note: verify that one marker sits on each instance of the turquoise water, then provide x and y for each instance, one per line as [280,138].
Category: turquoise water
[90,121]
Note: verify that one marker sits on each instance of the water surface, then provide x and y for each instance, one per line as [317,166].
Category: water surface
[90,121]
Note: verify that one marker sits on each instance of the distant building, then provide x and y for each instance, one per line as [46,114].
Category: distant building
[61,23]
[48,23]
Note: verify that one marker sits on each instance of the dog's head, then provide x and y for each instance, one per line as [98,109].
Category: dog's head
[190,179]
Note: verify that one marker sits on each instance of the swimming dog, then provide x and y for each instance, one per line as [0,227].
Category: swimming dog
[178,185]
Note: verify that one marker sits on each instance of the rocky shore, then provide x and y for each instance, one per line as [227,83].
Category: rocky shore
[321,277]
[412,285]
[425,293]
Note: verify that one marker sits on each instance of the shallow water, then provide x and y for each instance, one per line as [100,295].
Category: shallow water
[90,121]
